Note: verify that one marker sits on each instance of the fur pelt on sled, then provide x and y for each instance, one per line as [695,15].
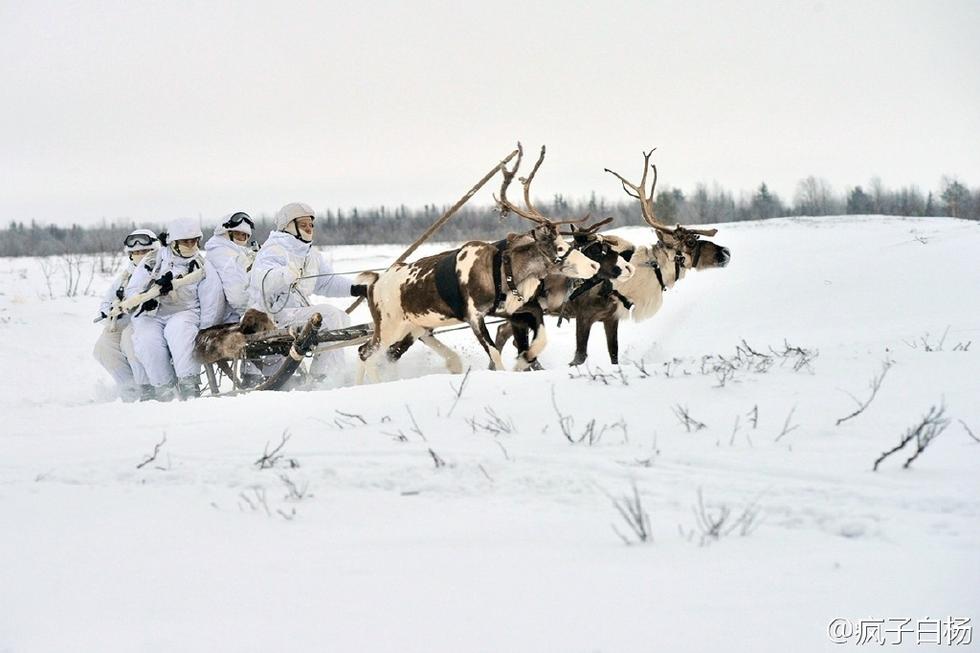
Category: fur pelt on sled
[225,341]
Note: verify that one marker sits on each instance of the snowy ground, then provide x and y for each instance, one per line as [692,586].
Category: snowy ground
[509,545]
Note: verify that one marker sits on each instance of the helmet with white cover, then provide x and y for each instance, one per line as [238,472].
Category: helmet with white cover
[184,229]
[140,240]
[287,217]
[290,212]
[237,221]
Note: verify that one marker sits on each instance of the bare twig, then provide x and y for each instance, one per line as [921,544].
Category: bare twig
[294,492]
[787,429]
[753,416]
[503,449]
[270,458]
[439,462]
[968,431]
[564,421]
[731,442]
[493,423]
[685,418]
[630,508]
[928,429]
[360,418]
[485,473]
[257,500]
[458,392]
[715,524]
[875,385]
[156,449]
[415,425]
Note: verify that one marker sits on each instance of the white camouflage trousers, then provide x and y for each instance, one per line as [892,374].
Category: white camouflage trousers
[114,351]
[158,339]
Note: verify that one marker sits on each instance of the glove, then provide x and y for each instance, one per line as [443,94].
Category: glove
[166,283]
[120,293]
[147,306]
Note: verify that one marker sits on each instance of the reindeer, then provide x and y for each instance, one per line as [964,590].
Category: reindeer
[409,300]
[656,268]
[612,267]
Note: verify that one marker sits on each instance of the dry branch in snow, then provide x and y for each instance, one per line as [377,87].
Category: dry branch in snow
[968,431]
[787,428]
[713,524]
[156,449]
[493,423]
[458,391]
[875,386]
[928,429]
[630,508]
[685,418]
[269,459]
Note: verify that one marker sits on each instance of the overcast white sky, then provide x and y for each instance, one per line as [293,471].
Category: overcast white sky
[149,110]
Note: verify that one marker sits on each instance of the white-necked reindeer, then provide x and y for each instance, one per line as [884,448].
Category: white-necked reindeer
[655,269]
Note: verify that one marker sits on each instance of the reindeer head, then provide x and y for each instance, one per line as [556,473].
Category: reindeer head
[698,254]
[685,242]
[563,258]
[613,264]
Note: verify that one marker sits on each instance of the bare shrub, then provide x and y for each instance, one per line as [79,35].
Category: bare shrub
[714,523]
[630,508]
[875,385]
[684,417]
[928,429]
[153,456]
[492,423]
[592,432]
[270,459]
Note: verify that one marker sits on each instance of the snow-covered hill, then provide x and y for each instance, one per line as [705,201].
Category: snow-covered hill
[399,518]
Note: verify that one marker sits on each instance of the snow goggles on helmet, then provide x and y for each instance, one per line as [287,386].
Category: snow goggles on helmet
[237,219]
[137,240]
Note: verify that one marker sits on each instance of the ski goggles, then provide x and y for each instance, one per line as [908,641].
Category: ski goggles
[237,219]
[139,240]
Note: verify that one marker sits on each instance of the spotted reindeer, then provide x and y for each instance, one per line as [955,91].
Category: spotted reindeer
[408,301]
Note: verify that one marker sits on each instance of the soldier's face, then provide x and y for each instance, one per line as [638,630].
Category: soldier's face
[305,227]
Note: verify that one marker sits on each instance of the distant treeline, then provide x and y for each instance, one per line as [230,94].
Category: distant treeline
[705,204]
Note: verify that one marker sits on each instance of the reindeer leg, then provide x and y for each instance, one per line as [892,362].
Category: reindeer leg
[529,321]
[451,358]
[583,326]
[504,333]
[612,339]
[479,326]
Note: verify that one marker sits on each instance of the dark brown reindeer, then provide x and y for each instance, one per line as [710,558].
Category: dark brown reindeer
[409,300]
[656,268]
[613,266]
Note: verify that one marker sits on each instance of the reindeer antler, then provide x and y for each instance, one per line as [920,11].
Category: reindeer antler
[591,229]
[529,212]
[638,191]
[646,202]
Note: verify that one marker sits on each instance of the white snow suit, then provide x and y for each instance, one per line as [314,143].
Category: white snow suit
[169,330]
[280,262]
[114,348]
[224,290]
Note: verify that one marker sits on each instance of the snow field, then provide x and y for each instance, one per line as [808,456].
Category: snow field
[509,543]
